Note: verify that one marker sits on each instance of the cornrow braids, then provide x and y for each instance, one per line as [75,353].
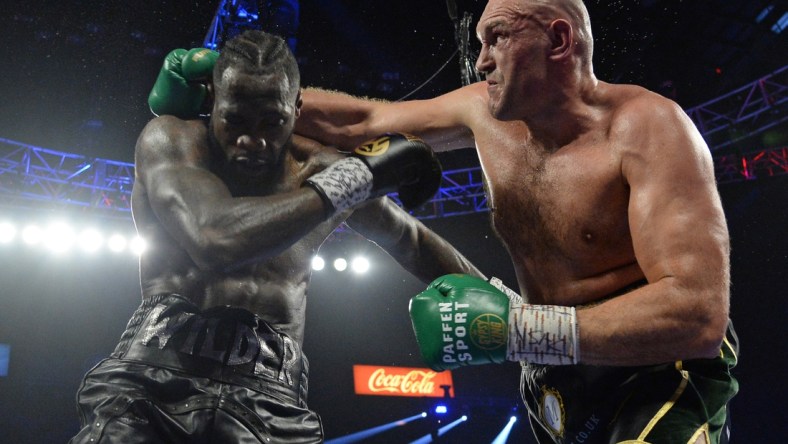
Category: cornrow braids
[258,52]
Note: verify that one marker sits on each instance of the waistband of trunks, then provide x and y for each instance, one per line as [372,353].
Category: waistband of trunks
[224,343]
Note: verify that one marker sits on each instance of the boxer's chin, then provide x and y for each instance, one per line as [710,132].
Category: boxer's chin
[500,112]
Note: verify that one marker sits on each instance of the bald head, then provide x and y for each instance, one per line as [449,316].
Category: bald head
[546,11]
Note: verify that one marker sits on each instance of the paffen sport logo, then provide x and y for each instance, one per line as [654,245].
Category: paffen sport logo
[374,147]
[488,331]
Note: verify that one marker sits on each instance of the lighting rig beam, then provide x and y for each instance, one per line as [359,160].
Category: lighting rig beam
[30,175]
[363,434]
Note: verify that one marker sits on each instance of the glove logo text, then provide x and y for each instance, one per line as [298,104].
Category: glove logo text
[453,320]
[488,331]
[374,147]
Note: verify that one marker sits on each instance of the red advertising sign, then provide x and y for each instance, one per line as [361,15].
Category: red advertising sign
[401,381]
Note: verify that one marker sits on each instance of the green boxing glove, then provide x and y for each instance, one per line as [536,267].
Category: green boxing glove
[181,87]
[464,320]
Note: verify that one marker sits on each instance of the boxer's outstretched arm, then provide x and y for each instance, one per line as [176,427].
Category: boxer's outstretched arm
[680,240]
[339,119]
[419,250]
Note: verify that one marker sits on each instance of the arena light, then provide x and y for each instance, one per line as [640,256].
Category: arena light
[5,358]
[340,264]
[117,243]
[137,245]
[360,264]
[7,232]
[32,234]
[441,431]
[318,263]
[90,240]
[504,433]
[781,24]
[441,409]
[59,237]
[364,434]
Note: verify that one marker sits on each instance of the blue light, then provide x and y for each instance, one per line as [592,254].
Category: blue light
[764,13]
[441,409]
[781,24]
[504,433]
[5,357]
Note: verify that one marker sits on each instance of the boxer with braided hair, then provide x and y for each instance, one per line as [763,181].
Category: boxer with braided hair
[234,207]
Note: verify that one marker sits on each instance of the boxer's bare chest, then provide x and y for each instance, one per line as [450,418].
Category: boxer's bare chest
[274,288]
[562,213]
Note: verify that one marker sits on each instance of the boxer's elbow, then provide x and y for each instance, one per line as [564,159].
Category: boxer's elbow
[210,251]
[708,332]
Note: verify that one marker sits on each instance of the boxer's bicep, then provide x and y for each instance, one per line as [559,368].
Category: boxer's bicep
[678,227]
[676,219]
[181,193]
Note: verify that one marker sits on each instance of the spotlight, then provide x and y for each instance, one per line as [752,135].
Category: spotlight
[7,232]
[503,435]
[364,434]
[90,240]
[340,264]
[360,264]
[59,237]
[318,263]
[31,235]
[138,245]
[117,243]
[441,409]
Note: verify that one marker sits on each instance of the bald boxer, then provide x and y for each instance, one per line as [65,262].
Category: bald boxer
[605,198]
[234,207]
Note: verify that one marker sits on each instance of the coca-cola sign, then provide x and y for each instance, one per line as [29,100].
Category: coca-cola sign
[401,381]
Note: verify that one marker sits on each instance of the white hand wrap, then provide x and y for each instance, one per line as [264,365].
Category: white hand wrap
[344,184]
[543,334]
[514,298]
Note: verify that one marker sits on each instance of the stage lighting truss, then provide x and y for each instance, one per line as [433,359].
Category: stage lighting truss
[35,177]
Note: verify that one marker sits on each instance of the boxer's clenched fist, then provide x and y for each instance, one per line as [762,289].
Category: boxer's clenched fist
[464,320]
[390,163]
[181,88]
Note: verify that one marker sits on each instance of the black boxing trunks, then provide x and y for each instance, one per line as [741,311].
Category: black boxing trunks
[182,375]
[669,403]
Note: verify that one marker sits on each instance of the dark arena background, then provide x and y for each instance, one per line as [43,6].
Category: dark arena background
[76,75]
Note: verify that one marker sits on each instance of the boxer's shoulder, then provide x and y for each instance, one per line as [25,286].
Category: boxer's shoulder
[170,136]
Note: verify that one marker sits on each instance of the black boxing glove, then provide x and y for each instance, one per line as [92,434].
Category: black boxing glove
[390,163]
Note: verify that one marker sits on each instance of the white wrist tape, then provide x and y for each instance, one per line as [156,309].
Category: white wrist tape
[514,298]
[345,183]
[543,334]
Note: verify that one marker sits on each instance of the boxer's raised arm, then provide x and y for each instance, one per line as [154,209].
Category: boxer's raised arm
[340,119]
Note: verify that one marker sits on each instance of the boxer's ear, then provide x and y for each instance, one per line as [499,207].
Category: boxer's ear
[562,40]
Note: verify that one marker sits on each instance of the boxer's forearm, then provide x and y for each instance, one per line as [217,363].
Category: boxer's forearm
[335,118]
[654,324]
[407,240]
[342,120]
[437,257]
